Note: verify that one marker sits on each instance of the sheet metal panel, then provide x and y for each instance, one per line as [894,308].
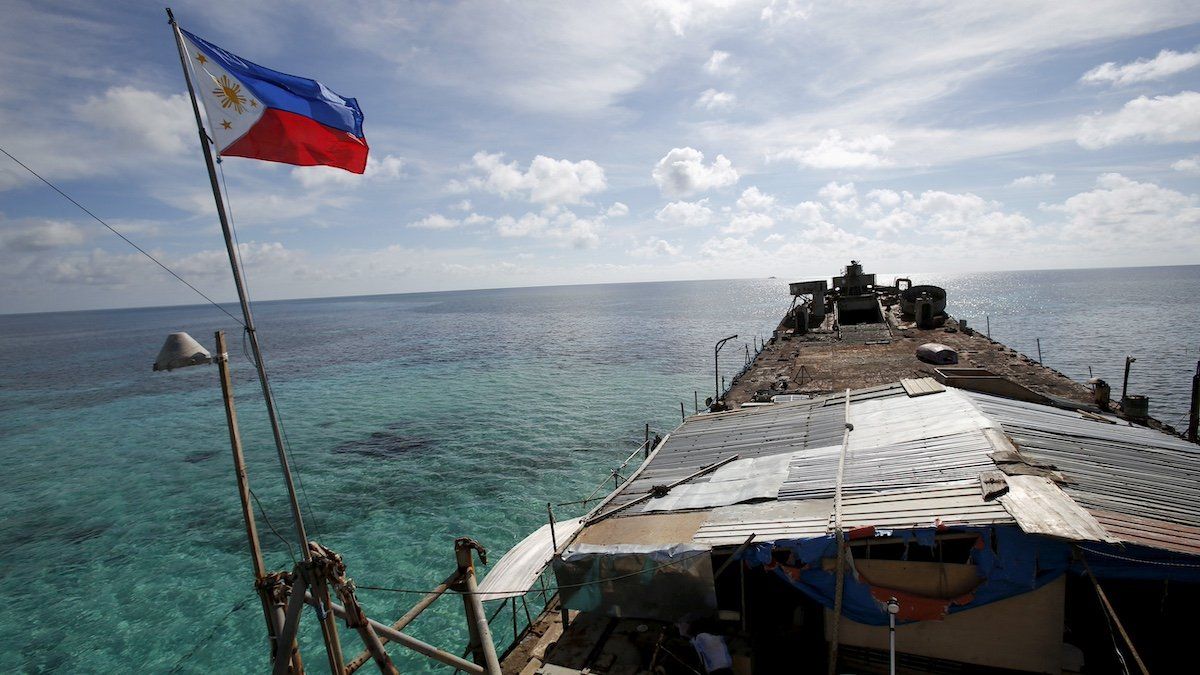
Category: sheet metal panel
[518,570]
[768,521]
[1126,476]
[929,507]
[702,440]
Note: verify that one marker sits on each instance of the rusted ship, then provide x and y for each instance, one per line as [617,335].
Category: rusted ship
[883,488]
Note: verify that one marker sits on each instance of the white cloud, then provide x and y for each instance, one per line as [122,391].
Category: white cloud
[1124,214]
[1166,64]
[390,167]
[1188,165]
[836,152]
[617,210]
[161,124]
[464,205]
[560,226]
[779,12]
[711,99]
[686,214]
[528,225]
[718,64]
[1038,180]
[547,181]
[747,223]
[682,172]
[435,221]
[655,248]
[753,199]
[1162,119]
[40,235]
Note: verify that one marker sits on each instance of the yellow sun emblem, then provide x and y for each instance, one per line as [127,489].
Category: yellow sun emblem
[229,93]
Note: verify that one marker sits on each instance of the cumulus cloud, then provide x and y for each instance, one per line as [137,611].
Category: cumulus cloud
[753,199]
[1188,165]
[1123,213]
[1038,180]
[546,181]
[617,210]
[837,152]
[747,223]
[711,99]
[682,172]
[948,215]
[435,221]
[655,248]
[40,235]
[1166,64]
[778,12]
[161,124]
[1162,119]
[686,214]
[555,225]
[718,64]
[387,168]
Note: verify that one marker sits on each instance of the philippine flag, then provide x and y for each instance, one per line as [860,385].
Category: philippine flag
[261,113]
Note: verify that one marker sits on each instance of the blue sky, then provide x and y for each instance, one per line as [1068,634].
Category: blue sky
[517,144]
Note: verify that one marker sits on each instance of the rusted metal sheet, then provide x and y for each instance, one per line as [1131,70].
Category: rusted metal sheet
[1150,532]
[1041,507]
[1141,485]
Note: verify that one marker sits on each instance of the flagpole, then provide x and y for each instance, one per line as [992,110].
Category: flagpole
[297,516]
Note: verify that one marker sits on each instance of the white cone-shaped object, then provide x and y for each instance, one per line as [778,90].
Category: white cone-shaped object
[180,351]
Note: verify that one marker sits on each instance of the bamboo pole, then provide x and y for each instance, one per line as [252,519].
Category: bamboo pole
[410,642]
[243,484]
[1113,613]
[409,616]
[481,632]
[840,582]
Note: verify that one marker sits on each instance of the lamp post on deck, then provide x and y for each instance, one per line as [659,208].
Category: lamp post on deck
[717,367]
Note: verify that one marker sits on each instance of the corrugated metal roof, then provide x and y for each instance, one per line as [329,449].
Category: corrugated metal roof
[760,432]
[1142,485]
[926,507]
[914,462]
[898,443]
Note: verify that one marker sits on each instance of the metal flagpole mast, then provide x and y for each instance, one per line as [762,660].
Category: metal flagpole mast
[230,248]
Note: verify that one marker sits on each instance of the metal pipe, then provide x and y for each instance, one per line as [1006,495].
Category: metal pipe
[893,607]
[243,298]
[1039,347]
[711,467]
[409,616]
[409,641]
[291,621]
[717,366]
[733,556]
[1125,384]
[1194,410]
[682,416]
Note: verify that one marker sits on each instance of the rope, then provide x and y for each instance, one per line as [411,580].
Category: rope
[263,512]
[237,249]
[552,588]
[129,241]
[208,638]
[1138,560]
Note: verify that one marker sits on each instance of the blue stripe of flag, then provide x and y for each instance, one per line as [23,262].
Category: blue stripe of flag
[294,94]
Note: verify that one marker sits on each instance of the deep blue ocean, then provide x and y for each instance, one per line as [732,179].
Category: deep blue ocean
[413,419]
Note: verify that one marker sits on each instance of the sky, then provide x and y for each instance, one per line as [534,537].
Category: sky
[529,143]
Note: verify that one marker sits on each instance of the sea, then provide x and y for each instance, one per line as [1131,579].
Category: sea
[412,420]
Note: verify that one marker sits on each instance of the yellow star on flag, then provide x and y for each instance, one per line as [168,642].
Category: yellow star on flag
[202,59]
[225,124]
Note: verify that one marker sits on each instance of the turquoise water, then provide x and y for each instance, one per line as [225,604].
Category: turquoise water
[413,419]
